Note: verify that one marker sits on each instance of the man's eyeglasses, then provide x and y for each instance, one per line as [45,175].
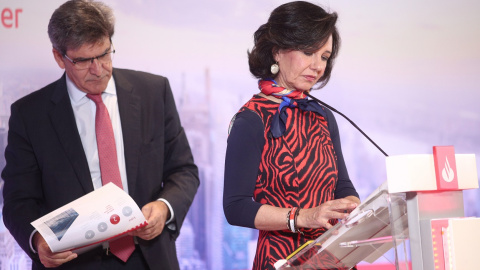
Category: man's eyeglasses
[84,63]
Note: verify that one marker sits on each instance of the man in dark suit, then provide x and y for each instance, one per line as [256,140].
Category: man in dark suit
[53,154]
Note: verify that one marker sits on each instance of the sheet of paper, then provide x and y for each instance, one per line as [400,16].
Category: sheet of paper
[101,215]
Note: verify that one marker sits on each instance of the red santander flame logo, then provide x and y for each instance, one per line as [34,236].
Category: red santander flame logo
[445,167]
[447,173]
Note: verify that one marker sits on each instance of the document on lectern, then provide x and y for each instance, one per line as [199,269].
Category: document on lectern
[99,216]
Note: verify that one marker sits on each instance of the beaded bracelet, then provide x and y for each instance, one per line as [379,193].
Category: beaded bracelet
[288,219]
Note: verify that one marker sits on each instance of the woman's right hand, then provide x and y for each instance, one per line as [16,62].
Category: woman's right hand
[318,217]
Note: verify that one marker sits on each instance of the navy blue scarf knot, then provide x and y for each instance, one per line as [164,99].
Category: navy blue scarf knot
[278,125]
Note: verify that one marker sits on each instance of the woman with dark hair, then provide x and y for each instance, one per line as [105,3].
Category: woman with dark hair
[284,170]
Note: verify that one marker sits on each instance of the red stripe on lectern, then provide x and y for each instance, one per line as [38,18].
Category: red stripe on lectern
[380,266]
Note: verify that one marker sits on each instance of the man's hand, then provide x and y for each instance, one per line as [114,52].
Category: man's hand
[47,257]
[156,214]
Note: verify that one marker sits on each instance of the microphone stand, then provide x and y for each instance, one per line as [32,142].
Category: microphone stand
[348,119]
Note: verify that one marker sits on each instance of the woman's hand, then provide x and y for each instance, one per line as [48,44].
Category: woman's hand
[353,199]
[319,216]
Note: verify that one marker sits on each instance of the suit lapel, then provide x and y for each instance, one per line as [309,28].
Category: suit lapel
[63,121]
[129,108]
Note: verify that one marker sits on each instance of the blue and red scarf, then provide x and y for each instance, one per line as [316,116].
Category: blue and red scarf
[290,99]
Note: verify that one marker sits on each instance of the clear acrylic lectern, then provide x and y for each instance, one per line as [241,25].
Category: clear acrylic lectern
[373,228]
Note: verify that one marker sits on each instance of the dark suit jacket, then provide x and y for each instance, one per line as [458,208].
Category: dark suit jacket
[47,168]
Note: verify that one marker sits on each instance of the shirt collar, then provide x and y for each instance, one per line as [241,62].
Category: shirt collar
[76,95]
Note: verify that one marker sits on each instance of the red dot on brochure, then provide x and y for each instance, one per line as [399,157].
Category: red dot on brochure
[114,219]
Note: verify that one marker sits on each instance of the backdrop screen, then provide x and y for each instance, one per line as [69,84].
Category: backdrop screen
[406,74]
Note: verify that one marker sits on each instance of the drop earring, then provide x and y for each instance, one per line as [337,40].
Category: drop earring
[274,68]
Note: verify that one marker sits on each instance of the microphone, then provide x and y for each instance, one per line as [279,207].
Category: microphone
[348,119]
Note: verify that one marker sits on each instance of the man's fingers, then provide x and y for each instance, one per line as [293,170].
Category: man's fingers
[147,211]
[57,259]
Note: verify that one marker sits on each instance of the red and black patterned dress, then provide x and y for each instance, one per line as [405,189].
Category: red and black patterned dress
[298,169]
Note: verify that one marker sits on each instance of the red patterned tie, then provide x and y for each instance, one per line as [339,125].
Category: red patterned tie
[107,154]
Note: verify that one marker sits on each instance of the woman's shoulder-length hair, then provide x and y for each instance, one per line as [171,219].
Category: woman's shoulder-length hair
[296,25]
